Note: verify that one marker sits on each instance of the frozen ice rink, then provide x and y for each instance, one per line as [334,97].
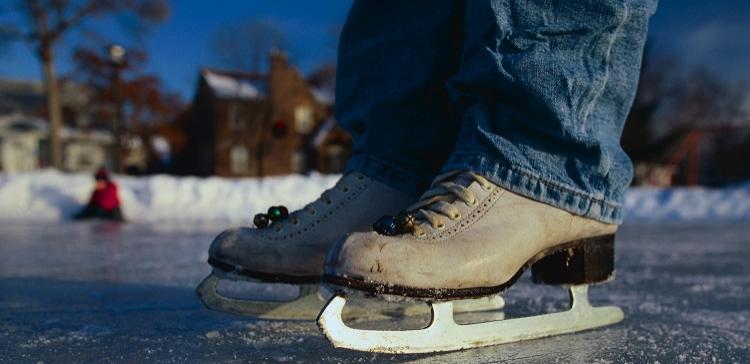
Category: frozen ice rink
[99,292]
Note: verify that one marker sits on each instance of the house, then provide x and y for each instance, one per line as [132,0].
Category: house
[20,140]
[249,124]
[24,145]
[24,134]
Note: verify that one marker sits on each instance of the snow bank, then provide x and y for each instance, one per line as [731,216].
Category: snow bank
[688,204]
[50,195]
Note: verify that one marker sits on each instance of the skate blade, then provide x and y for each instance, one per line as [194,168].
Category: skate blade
[305,306]
[444,334]
[309,301]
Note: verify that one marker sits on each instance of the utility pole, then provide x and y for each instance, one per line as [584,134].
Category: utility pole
[117,58]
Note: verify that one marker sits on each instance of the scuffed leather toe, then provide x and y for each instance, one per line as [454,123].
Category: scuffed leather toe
[226,246]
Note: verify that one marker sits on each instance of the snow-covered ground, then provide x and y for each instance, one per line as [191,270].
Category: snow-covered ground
[54,196]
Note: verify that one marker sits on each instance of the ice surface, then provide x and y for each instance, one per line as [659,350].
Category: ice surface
[102,292]
[53,196]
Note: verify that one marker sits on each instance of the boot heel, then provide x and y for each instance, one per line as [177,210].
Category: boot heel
[589,260]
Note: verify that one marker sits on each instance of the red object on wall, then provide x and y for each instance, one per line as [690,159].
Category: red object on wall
[279,128]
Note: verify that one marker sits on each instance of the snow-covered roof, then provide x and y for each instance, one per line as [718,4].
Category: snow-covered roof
[227,86]
[18,122]
[322,133]
[323,96]
[22,122]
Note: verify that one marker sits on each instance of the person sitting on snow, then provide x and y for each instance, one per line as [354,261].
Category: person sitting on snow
[104,202]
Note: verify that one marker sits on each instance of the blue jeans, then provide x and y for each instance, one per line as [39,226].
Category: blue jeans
[532,95]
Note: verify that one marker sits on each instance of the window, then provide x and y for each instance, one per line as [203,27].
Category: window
[238,160]
[336,158]
[303,119]
[236,114]
[299,164]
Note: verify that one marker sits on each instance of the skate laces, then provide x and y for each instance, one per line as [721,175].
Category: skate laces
[438,200]
[324,199]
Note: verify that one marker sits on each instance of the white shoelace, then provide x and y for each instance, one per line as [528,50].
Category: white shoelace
[440,198]
[325,198]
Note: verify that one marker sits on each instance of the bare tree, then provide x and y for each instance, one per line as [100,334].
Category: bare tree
[245,46]
[44,23]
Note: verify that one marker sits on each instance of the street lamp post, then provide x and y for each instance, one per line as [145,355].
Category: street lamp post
[117,60]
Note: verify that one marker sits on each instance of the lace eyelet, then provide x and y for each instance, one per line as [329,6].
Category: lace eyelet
[440,226]
[295,221]
[361,178]
[421,234]
[456,216]
[312,212]
[345,190]
[328,202]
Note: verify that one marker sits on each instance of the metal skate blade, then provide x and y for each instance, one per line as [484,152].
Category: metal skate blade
[483,304]
[444,334]
[305,305]
[257,291]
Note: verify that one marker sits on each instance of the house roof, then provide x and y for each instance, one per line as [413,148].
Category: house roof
[20,96]
[235,85]
[322,133]
[322,95]
[21,123]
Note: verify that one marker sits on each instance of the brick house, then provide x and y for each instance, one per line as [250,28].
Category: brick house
[249,124]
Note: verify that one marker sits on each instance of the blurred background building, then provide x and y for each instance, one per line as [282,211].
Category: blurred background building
[254,96]
[252,124]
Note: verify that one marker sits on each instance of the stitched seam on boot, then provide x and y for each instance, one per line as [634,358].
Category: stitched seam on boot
[316,223]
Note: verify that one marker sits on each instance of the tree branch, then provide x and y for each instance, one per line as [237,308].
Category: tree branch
[92,7]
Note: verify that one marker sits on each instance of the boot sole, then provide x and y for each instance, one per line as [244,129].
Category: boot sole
[582,261]
[262,276]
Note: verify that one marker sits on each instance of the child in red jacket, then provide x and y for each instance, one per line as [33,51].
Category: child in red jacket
[104,202]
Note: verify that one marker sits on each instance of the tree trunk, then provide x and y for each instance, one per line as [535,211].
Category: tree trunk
[54,108]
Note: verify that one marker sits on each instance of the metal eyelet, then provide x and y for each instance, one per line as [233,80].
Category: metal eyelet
[295,221]
[346,190]
[440,226]
[474,203]
[456,216]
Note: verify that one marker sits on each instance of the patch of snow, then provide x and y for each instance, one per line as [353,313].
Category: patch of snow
[688,203]
[322,133]
[230,87]
[323,96]
[53,196]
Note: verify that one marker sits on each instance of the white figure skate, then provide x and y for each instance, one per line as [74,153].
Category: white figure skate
[471,238]
[273,272]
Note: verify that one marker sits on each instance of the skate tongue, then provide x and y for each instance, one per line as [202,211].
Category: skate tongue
[463,179]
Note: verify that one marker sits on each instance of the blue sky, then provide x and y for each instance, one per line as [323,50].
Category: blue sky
[710,33]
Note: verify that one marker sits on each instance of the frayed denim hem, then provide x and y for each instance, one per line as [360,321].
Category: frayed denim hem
[531,185]
[388,174]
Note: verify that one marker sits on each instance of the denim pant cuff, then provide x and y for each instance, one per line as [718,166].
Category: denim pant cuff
[534,186]
[388,174]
